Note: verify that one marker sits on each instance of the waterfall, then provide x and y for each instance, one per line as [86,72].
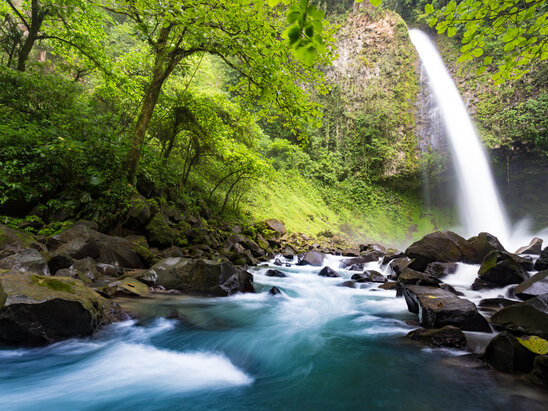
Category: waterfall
[480,207]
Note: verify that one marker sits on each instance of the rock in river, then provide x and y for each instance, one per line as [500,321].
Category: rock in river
[448,336]
[36,310]
[500,267]
[533,287]
[529,317]
[437,308]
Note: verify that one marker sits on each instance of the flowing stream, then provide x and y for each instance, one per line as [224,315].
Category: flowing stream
[480,205]
[316,346]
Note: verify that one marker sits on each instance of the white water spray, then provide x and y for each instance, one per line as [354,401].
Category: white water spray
[479,204]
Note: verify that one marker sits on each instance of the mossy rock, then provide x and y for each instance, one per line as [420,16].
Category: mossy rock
[159,232]
[12,241]
[36,310]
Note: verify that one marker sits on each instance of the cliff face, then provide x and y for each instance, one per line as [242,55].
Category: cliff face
[370,112]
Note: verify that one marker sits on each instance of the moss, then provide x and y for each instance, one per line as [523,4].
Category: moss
[159,232]
[52,283]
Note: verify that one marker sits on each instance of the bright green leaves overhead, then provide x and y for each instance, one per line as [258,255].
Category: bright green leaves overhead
[304,32]
[519,27]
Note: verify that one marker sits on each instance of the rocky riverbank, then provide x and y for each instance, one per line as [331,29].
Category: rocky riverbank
[61,286]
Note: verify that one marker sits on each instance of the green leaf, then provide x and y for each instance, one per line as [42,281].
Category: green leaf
[487,60]
[477,52]
[451,31]
[375,3]
[428,9]
[535,344]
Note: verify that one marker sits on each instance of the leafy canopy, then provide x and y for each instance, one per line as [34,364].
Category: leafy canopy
[520,25]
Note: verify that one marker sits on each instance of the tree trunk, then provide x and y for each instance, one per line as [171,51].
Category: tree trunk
[149,102]
[35,24]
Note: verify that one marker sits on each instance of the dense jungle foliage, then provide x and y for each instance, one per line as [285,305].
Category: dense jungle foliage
[236,110]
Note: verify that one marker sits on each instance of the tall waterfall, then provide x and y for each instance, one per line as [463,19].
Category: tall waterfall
[479,204]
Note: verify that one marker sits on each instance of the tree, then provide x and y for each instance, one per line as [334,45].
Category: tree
[243,33]
[69,24]
[519,25]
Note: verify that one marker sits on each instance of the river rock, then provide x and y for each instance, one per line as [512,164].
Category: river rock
[495,304]
[483,244]
[58,261]
[313,258]
[126,287]
[350,252]
[542,262]
[84,270]
[274,291]
[505,353]
[29,260]
[275,225]
[328,272]
[375,276]
[533,287]
[275,273]
[389,285]
[529,317]
[448,336]
[13,241]
[446,247]
[500,267]
[409,276]
[437,308]
[539,375]
[198,276]
[36,310]
[397,265]
[373,247]
[347,284]
[440,270]
[534,247]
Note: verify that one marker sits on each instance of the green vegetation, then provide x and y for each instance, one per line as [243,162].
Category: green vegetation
[52,283]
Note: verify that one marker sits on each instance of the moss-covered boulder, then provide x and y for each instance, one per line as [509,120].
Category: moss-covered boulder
[483,244]
[139,213]
[501,268]
[13,241]
[37,310]
[159,232]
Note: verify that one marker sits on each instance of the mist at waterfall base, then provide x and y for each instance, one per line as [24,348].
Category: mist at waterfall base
[316,346]
[480,206]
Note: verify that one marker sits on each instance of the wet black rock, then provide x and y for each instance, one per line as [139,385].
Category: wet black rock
[483,244]
[542,262]
[360,277]
[274,291]
[448,336]
[440,270]
[501,268]
[529,317]
[533,287]
[409,276]
[495,304]
[439,308]
[328,272]
[347,284]
[539,375]
[275,273]
[505,353]
[375,276]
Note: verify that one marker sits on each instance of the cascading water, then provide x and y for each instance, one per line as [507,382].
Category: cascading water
[479,204]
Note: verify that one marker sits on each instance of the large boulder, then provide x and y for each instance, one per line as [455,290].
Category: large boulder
[542,262]
[13,241]
[529,317]
[29,260]
[357,263]
[533,287]
[313,258]
[138,215]
[36,310]
[505,353]
[159,231]
[437,308]
[500,267]
[483,244]
[534,247]
[81,241]
[275,225]
[198,276]
[446,247]
[448,336]
[85,270]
